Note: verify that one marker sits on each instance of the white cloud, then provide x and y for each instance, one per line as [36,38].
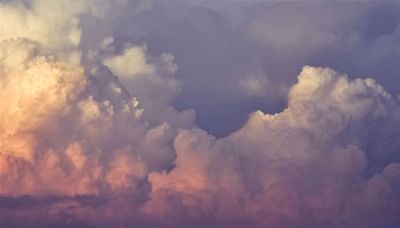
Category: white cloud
[132,63]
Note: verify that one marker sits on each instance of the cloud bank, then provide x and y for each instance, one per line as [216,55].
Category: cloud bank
[90,136]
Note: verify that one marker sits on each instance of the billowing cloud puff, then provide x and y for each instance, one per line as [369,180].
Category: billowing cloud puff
[307,165]
[97,141]
[40,150]
[153,81]
[304,166]
[35,91]
[70,129]
[132,63]
[54,25]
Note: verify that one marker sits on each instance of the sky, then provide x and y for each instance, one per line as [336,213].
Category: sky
[138,113]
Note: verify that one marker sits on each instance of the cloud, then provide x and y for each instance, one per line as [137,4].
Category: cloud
[90,135]
[300,167]
[72,129]
[219,44]
[254,86]
[132,63]
[35,90]
[153,81]
[54,25]
[303,166]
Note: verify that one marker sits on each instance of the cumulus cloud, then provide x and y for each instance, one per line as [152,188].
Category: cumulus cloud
[132,63]
[300,167]
[153,81]
[54,25]
[73,129]
[96,140]
[224,42]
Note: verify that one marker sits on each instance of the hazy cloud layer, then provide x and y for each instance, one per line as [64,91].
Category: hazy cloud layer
[92,131]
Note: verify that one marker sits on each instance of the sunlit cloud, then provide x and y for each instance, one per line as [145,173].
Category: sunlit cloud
[91,134]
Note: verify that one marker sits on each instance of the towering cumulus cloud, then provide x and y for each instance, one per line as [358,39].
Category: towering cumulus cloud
[310,164]
[90,137]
